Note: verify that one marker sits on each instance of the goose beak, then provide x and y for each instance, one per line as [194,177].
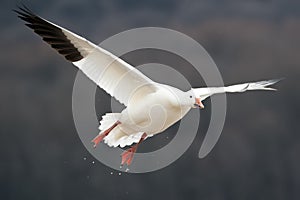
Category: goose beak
[198,103]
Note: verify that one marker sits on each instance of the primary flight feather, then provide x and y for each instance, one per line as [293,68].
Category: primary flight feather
[151,107]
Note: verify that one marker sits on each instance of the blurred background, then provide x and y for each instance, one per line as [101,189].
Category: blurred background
[257,156]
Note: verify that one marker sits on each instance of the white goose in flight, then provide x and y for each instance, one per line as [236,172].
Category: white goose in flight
[151,107]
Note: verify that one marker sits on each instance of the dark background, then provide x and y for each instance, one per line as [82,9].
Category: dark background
[257,156]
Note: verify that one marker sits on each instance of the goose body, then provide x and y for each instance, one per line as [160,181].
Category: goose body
[151,107]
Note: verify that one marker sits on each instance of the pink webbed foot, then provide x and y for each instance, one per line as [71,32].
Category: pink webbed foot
[127,156]
[102,135]
[98,139]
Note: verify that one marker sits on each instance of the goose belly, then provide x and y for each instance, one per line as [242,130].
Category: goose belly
[152,115]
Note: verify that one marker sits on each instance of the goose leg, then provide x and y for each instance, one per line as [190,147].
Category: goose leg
[102,135]
[127,156]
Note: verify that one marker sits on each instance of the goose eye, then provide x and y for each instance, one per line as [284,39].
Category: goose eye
[190,96]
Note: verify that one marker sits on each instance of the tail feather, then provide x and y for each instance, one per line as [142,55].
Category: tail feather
[108,120]
[117,137]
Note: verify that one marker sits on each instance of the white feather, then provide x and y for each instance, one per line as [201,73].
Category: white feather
[117,137]
[153,107]
[204,93]
[115,76]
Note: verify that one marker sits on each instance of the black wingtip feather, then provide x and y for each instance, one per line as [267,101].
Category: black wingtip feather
[50,33]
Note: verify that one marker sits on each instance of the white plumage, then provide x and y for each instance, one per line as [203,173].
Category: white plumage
[150,107]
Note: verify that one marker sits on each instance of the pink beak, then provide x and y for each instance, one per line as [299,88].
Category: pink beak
[199,103]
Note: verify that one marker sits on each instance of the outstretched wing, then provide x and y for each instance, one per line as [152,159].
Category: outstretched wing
[109,72]
[204,93]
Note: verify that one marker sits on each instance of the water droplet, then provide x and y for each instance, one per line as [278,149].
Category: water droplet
[127,169]
[111,173]
[93,162]
[84,158]
[120,174]
[121,166]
